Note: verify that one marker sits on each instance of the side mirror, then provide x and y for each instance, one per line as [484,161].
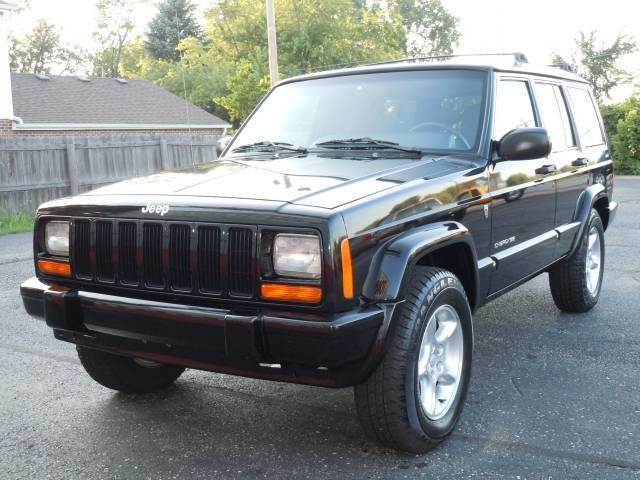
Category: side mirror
[524,144]
[222,144]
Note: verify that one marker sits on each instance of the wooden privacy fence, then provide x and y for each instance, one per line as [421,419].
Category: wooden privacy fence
[35,169]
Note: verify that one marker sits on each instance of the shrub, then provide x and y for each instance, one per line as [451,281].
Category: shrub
[626,140]
[611,115]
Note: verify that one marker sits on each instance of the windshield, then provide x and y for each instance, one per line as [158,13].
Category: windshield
[428,110]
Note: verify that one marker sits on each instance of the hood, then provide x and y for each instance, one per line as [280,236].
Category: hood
[316,179]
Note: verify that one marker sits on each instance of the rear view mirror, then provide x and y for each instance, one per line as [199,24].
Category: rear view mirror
[524,144]
[222,144]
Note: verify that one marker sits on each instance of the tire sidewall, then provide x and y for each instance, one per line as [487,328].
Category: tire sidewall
[447,290]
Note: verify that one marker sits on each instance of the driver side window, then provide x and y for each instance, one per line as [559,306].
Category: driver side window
[513,108]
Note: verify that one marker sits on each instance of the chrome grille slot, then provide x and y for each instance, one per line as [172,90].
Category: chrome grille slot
[127,248]
[240,261]
[152,255]
[180,257]
[82,249]
[209,259]
[104,251]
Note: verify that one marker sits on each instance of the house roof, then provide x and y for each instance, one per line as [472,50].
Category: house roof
[68,102]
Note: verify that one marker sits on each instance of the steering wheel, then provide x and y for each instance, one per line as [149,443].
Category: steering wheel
[441,126]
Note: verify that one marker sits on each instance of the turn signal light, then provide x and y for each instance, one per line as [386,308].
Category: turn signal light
[291,293]
[59,269]
[347,270]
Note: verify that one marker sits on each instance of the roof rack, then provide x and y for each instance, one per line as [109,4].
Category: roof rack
[518,58]
[564,66]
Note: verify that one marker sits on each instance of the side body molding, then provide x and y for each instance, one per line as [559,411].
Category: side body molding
[396,258]
[585,203]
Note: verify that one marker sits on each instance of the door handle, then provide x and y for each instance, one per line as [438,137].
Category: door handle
[546,169]
[580,162]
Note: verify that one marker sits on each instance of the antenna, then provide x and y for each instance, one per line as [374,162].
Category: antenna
[184,87]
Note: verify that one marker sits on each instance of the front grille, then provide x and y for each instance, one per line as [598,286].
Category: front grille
[194,258]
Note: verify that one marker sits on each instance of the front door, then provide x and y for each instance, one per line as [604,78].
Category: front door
[523,195]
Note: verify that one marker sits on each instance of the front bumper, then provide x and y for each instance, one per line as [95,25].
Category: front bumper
[330,350]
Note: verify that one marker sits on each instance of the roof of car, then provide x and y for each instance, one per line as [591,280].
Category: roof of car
[488,62]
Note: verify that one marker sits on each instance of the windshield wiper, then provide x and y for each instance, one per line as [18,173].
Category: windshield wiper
[366,143]
[270,146]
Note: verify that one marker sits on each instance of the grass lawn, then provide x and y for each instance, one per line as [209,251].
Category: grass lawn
[15,223]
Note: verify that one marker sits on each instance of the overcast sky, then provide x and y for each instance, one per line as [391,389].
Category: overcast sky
[536,28]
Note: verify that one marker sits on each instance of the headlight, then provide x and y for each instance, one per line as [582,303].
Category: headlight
[297,256]
[56,238]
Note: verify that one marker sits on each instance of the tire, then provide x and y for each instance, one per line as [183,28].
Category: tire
[570,284]
[389,402]
[126,374]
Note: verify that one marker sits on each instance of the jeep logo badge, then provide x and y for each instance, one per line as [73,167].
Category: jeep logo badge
[161,210]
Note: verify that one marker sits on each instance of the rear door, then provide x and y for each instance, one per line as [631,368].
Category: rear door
[591,142]
[570,164]
[523,202]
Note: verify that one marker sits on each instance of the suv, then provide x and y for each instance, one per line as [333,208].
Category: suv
[344,238]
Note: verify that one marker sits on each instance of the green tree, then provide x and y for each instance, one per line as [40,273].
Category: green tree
[41,52]
[113,29]
[37,51]
[599,64]
[246,88]
[430,30]
[174,22]
[311,34]
[199,76]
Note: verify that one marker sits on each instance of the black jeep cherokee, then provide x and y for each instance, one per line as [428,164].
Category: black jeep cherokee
[345,237]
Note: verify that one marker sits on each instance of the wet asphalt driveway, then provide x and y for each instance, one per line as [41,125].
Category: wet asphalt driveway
[553,396]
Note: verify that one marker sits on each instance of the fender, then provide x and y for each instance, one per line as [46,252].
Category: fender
[586,201]
[395,259]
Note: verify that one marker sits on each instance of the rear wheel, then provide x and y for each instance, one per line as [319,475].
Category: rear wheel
[413,400]
[127,375]
[576,282]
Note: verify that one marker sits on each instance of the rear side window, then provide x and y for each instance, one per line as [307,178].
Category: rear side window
[555,117]
[513,107]
[586,117]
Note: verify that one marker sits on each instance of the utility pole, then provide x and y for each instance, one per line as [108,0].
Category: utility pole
[273,44]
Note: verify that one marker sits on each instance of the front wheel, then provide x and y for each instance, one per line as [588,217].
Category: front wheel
[413,399]
[576,282]
[127,375]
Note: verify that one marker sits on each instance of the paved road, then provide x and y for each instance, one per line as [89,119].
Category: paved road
[553,396]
